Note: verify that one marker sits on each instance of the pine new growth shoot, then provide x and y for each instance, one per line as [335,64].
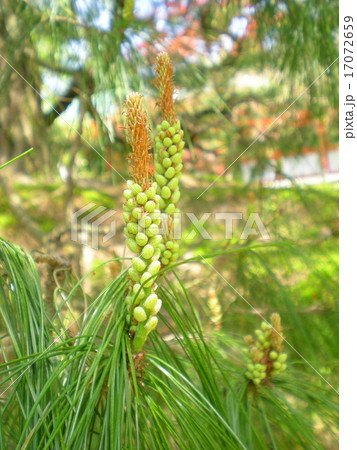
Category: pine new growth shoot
[169,150]
[264,355]
[165,86]
[139,139]
[142,216]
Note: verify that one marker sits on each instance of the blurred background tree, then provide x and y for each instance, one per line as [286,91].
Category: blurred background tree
[257,81]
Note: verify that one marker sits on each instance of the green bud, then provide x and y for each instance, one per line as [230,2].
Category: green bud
[136,188]
[157,200]
[150,193]
[176,196]
[159,168]
[141,239]
[176,139]
[136,213]
[138,291]
[172,184]
[170,172]
[159,146]
[177,125]
[161,180]
[178,168]
[169,245]
[156,255]
[139,264]
[148,251]
[256,374]
[174,257]
[128,194]
[165,125]
[166,162]
[153,230]
[283,367]
[282,358]
[141,198]
[134,274]
[165,261]
[144,279]
[277,365]
[156,214]
[256,381]
[250,367]
[154,267]
[151,323]
[167,254]
[126,217]
[158,128]
[157,307]
[165,192]
[176,159]
[150,302]
[175,247]
[171,131]
[167,142]
[139,314]
[133,228]
[170,209]
[150,206]
[181,145]
[249,375]
[172,150]
[155,240]
[162,203]
[145,221]
[130,204]
[133,245]
[273,355]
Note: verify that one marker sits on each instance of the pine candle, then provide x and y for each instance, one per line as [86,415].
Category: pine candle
[142,215]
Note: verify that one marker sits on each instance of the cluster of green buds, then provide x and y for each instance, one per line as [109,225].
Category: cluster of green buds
[169,146]
[264,355]
[169,150]
[142,216]
[151,205]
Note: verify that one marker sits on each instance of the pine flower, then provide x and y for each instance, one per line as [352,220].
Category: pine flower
[142,216]
[264,353]
[169,150]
